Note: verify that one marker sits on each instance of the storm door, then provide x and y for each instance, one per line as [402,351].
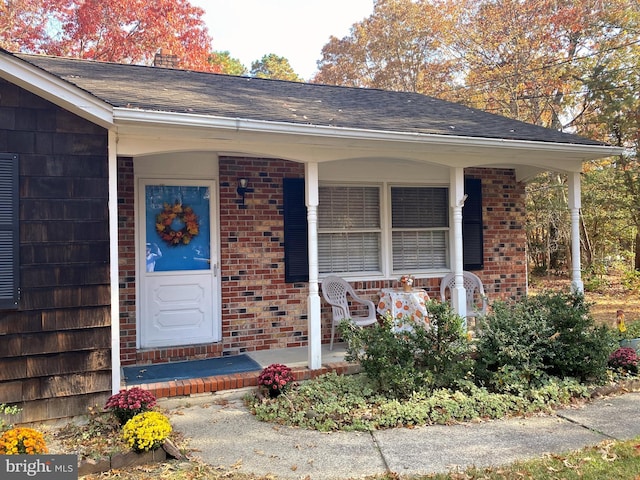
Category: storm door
[179,300]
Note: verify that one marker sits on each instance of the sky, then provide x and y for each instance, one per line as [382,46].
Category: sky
[294,29]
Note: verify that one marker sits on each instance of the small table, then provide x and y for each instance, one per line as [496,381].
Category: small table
[400,303]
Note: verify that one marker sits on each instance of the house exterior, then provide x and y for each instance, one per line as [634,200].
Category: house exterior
[154,215]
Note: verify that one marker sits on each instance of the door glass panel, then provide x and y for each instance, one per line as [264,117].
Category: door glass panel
[178,229]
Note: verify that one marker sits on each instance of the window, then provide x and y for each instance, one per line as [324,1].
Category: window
[9,234]
[353,239]
[419,228]
[349,229]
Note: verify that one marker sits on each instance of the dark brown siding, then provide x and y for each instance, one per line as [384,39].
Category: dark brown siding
[55,358]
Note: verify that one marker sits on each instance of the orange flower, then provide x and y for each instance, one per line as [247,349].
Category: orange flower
[20,441]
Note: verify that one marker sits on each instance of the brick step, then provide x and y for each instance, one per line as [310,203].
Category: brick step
[192,386]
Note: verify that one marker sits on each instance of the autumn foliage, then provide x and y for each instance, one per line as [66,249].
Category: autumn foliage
[125,31]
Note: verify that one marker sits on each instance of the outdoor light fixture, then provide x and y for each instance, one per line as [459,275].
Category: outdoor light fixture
[243,188]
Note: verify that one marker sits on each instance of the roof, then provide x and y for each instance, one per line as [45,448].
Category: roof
[183,91]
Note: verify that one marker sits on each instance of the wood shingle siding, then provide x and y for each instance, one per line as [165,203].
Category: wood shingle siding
[55,348]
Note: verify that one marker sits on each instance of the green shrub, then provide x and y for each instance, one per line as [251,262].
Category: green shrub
[581,348]
[5,411]
[419,358]
[348,402]
[631,280]
[521,345]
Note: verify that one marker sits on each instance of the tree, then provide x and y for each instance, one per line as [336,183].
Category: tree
[275,67]
[614,111]
[130,31]
[399,47]
[226,64]
[565,64]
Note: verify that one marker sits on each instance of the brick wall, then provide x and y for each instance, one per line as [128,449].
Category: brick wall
[503,208]
[126,261]
[259,310]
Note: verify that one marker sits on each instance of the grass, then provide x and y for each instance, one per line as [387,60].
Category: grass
[609,459]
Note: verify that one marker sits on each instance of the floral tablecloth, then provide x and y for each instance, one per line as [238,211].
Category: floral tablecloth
[400,304]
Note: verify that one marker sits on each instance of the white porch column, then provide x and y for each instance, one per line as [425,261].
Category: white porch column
[313,302]
[575,203]
[457,198]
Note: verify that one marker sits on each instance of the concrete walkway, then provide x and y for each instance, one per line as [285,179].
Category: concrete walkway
[222,432]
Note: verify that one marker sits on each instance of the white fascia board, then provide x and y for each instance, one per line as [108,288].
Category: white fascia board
[141,117]
[57,91]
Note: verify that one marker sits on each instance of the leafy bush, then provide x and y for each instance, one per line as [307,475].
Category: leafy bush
[276,378]
[128,403]
[631,280]
[350,402]
[420,357]
[625,359]
[146,431]
[6,410]
[520,345]
[581,348]
[22,441]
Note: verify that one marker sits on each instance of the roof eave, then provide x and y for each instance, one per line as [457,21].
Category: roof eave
[187,120]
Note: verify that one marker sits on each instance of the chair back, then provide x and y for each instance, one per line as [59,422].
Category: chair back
[334,291]
[476,298]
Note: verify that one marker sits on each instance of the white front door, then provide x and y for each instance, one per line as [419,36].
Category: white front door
[179,300]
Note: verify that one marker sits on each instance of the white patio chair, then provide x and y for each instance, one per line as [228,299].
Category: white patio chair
[334,291]
[477,303]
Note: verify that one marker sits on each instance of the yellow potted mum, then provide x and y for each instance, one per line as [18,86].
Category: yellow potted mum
[146,431]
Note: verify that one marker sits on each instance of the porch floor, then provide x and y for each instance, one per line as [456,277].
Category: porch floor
[295,358]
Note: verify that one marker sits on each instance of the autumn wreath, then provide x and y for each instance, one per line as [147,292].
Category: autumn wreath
[185,216]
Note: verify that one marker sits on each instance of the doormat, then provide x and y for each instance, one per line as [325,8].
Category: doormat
[208,367]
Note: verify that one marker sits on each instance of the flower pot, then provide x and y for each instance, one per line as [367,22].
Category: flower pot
[406,288]
[631,342]
[274,392]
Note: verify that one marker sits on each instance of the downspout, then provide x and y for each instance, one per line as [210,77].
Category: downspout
[457,198]
[575,204]
[113,261]
[313,301]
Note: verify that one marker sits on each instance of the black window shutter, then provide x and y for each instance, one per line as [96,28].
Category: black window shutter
[9,233]
[472,239]
[296,252]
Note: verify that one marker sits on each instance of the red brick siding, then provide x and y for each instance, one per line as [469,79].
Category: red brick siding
[127,259]
[259,310]
[503,208]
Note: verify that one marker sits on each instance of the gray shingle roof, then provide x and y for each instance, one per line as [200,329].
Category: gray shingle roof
[170,90]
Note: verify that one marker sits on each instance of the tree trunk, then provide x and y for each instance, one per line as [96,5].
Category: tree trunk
[637,262]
